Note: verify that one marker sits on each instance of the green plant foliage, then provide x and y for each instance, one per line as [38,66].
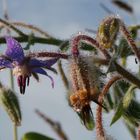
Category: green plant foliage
[118,113]
[127,99]
[87,47]
[35,136]
[128,107]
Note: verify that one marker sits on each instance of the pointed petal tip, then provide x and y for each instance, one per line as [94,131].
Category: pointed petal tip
[52,81]
[43,72]
[14,50]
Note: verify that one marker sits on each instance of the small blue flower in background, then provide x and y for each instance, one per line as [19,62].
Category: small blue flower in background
[24,66]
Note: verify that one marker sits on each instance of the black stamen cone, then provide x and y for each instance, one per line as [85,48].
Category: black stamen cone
[20,89]
[28,80]
[23,89]
[24,84]
[20,83]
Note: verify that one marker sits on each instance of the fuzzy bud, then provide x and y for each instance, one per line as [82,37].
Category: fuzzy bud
[9,101]
[107,31]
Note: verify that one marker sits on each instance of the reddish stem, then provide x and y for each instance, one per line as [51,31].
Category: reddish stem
[130,40]
[99,124]
[77,39]
[138,135]
[49,54]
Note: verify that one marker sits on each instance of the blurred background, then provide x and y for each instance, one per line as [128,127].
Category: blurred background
[62,19]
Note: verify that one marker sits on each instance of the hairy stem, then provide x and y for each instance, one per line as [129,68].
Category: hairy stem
[77,39]
[49,54]
[130,40]
[99,124]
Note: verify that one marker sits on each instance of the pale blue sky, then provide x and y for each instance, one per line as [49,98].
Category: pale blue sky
[63,19]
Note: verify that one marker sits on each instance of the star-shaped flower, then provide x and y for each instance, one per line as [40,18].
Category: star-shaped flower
[24,66]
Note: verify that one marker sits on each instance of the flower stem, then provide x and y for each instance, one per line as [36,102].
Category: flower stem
[49,54]
[99,124]
[15,132]
[129,39]
[92,41]
[11,80]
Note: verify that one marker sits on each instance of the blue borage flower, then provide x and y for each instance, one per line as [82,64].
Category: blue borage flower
[24,66]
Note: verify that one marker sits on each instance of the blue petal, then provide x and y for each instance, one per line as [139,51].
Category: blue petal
[42,63]
[41,71]
[14,50]
[5,63]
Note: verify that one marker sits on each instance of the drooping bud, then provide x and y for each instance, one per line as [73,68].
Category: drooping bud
[9,101]
[84,79]
[85,87]
[107,31]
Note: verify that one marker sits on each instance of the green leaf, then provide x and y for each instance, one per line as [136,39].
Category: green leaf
[118,113]
[35,136]
[87,47]
[131,107]
[108,102]
[123,49]
[128,96]
[133,111]
[10,102]
[124,85]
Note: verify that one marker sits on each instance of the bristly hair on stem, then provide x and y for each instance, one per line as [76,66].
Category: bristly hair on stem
[76,40]
[99,122]
[85,80]
[49,54]
[129,38]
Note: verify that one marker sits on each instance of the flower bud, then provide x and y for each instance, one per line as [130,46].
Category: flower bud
[85,86]
[107,31]
[9,101]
